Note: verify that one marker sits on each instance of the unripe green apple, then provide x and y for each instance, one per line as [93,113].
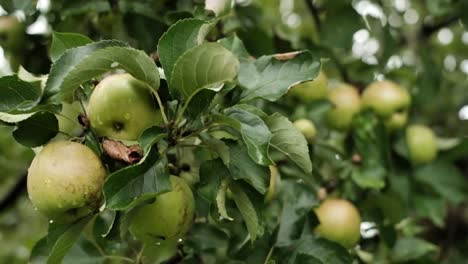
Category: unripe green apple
[389,100]
[346,103]
[339,222]
[421,143]
[65,180]
[122,107]
[169,216]
[311,90]
[307,128]
[12,33]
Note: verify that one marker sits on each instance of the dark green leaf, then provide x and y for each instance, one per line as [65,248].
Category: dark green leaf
[180,37]
[81,64]
[297,202]
[324,251]
[212,172]
[246,209]
[410,248]
[270,78]
[241,166]
[289,141]
[36,130]
[235,45]
[127,187]
[445,179]
[206,66]
[255,134]
[16,94]
[61,238]
[150,137]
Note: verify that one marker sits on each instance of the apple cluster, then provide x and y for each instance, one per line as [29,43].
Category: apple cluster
[65,179]
[339,220]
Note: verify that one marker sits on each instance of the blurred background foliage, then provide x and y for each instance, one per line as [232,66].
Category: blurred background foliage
[421,44]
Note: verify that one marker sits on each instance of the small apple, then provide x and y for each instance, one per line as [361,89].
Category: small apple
[346,103]
[311,90]
[168,217]
[421,143]
[307,128]
[122,107]
[339,222]
[389,100]
[65,180]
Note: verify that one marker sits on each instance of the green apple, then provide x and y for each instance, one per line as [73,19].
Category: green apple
[346,103]
[421,143]
[389,100]
[339,222]
[311,90]
[307,128]
[168,217]
[65,180]
[122,107]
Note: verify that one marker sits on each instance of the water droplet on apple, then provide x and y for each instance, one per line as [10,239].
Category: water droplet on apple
[51,221]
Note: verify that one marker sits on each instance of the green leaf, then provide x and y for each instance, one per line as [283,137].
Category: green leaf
[216,145]
[324,251]
[297,201]
[371,143]
[205,66]
[127,187]
[212,172]
[289,141]
[221,200]
[242,167]
[10,118]
[246,209]
[445,179]
[16,94]
[64,41]
[180,37]
[255,134]
[270,78]
[411,248]
[81,64]
[235,45]
[39,252]
[36,130]
[61,238]
[429,207]
[150,137]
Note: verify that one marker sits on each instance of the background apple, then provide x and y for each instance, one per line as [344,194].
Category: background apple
[389,100]
[122,107]
[339,222]
[65,180]
[170,216]
[311,90]
[346,103]
[421,143]
[307,128]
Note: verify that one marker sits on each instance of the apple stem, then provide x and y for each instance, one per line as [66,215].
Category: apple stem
[161,108]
